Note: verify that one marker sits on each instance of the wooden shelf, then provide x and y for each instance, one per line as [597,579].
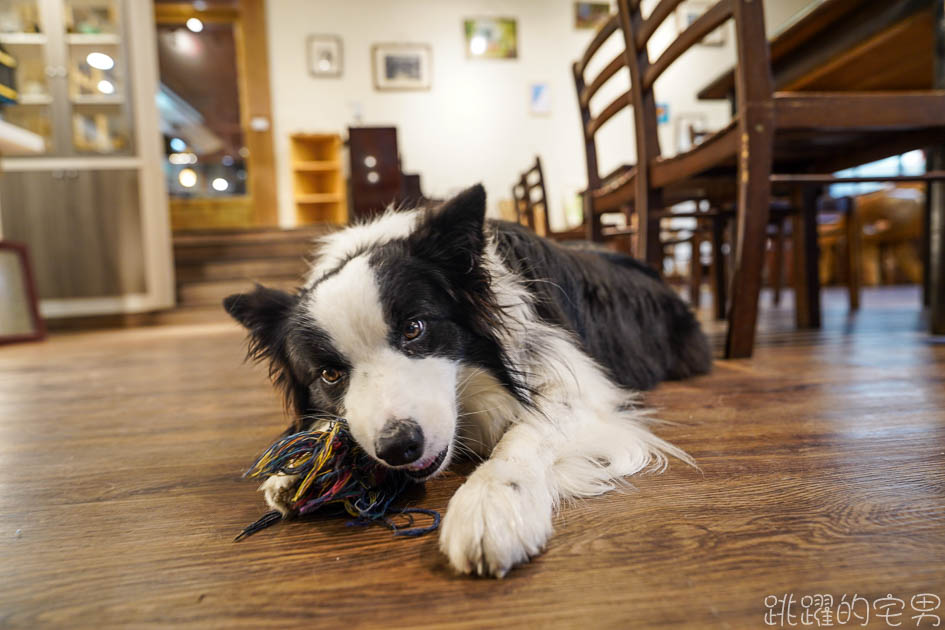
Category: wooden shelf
[34,99]
[318,181]
[17,39]
[91,99]
[93,39]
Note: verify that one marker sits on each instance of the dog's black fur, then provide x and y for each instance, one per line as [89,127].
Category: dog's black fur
[625,316]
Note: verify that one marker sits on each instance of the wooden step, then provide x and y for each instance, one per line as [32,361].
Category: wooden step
[208,293]
[246,244]
[254,269]
[199,237]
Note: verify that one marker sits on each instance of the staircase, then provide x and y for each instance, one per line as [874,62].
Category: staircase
[212,265]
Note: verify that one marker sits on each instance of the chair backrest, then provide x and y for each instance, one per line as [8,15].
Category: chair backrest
[753,69]
[530,199]
[587,87]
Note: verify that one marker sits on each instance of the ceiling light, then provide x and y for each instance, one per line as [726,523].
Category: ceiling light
[220,184]
[100,61]
[195,25]
[187,178]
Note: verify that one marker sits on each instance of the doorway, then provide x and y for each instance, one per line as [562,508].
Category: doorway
[214,109]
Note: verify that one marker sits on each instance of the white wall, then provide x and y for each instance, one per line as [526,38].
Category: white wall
[474,124]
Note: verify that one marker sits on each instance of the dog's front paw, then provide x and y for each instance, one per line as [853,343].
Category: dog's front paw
[496,520]
[278,491]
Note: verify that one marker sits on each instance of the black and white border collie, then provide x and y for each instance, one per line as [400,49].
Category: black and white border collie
[436,333]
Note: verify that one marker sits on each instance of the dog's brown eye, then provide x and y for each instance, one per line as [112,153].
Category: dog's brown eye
[413,329]
[331,375]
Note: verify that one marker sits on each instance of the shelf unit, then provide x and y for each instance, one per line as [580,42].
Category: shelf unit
[318,183]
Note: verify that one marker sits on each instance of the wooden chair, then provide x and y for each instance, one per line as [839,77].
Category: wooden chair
[801,137]
[531,205]
[616,191]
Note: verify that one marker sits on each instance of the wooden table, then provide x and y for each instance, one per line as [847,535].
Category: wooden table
[864,45]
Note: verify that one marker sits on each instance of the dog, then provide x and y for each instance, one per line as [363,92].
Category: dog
[435,333]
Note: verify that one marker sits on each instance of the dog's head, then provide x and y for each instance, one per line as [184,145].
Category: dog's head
[380,335]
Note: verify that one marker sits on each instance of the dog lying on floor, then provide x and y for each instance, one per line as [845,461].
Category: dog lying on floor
[436,332]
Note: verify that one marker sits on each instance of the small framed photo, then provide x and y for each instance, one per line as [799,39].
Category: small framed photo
[689,12]
[402,66]
[590,14]
[539,99]
[662,113]
[690,129]
[19,310]
[324,55]
[491,38]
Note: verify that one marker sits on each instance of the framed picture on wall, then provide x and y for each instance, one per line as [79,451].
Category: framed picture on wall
[491,38]
[402,66]
[19,311]
[324,55]
[689,12]
[590,14]
[539,100]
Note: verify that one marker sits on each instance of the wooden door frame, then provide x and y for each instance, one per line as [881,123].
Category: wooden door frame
[252,59]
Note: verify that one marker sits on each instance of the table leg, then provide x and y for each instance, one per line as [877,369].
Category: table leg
[854,248]
[806,258]
[777,263]
[936,264]
[936,192]
[719,278]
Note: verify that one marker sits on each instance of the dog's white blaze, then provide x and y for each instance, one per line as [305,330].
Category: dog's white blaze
[384,383]
[337,246]
[347,305]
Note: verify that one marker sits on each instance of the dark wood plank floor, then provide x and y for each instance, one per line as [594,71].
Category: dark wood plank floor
[823,471]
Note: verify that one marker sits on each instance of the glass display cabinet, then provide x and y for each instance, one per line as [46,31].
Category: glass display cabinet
[72,74]
[92,207]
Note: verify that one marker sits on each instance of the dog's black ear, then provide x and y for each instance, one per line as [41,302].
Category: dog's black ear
[452,234]
[262,312]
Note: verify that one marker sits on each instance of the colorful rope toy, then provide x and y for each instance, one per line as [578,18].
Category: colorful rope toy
[334,471]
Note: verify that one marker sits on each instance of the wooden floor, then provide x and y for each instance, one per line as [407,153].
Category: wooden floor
[823,471]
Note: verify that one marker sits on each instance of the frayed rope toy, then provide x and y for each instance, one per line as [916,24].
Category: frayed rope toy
[334,471]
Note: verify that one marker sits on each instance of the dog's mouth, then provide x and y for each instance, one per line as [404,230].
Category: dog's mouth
[428,467]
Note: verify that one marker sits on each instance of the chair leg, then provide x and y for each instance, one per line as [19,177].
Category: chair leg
[937,245]
[777,265]
[718,266]
[926,247]
[754,196]
[854,234]
[695,269]
[806,258]
[592,224]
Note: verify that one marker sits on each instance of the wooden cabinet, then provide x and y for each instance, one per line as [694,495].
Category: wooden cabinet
[376,180]
[84,228]
[93,208]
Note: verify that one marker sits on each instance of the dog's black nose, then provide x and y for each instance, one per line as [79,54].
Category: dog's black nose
[400,442]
